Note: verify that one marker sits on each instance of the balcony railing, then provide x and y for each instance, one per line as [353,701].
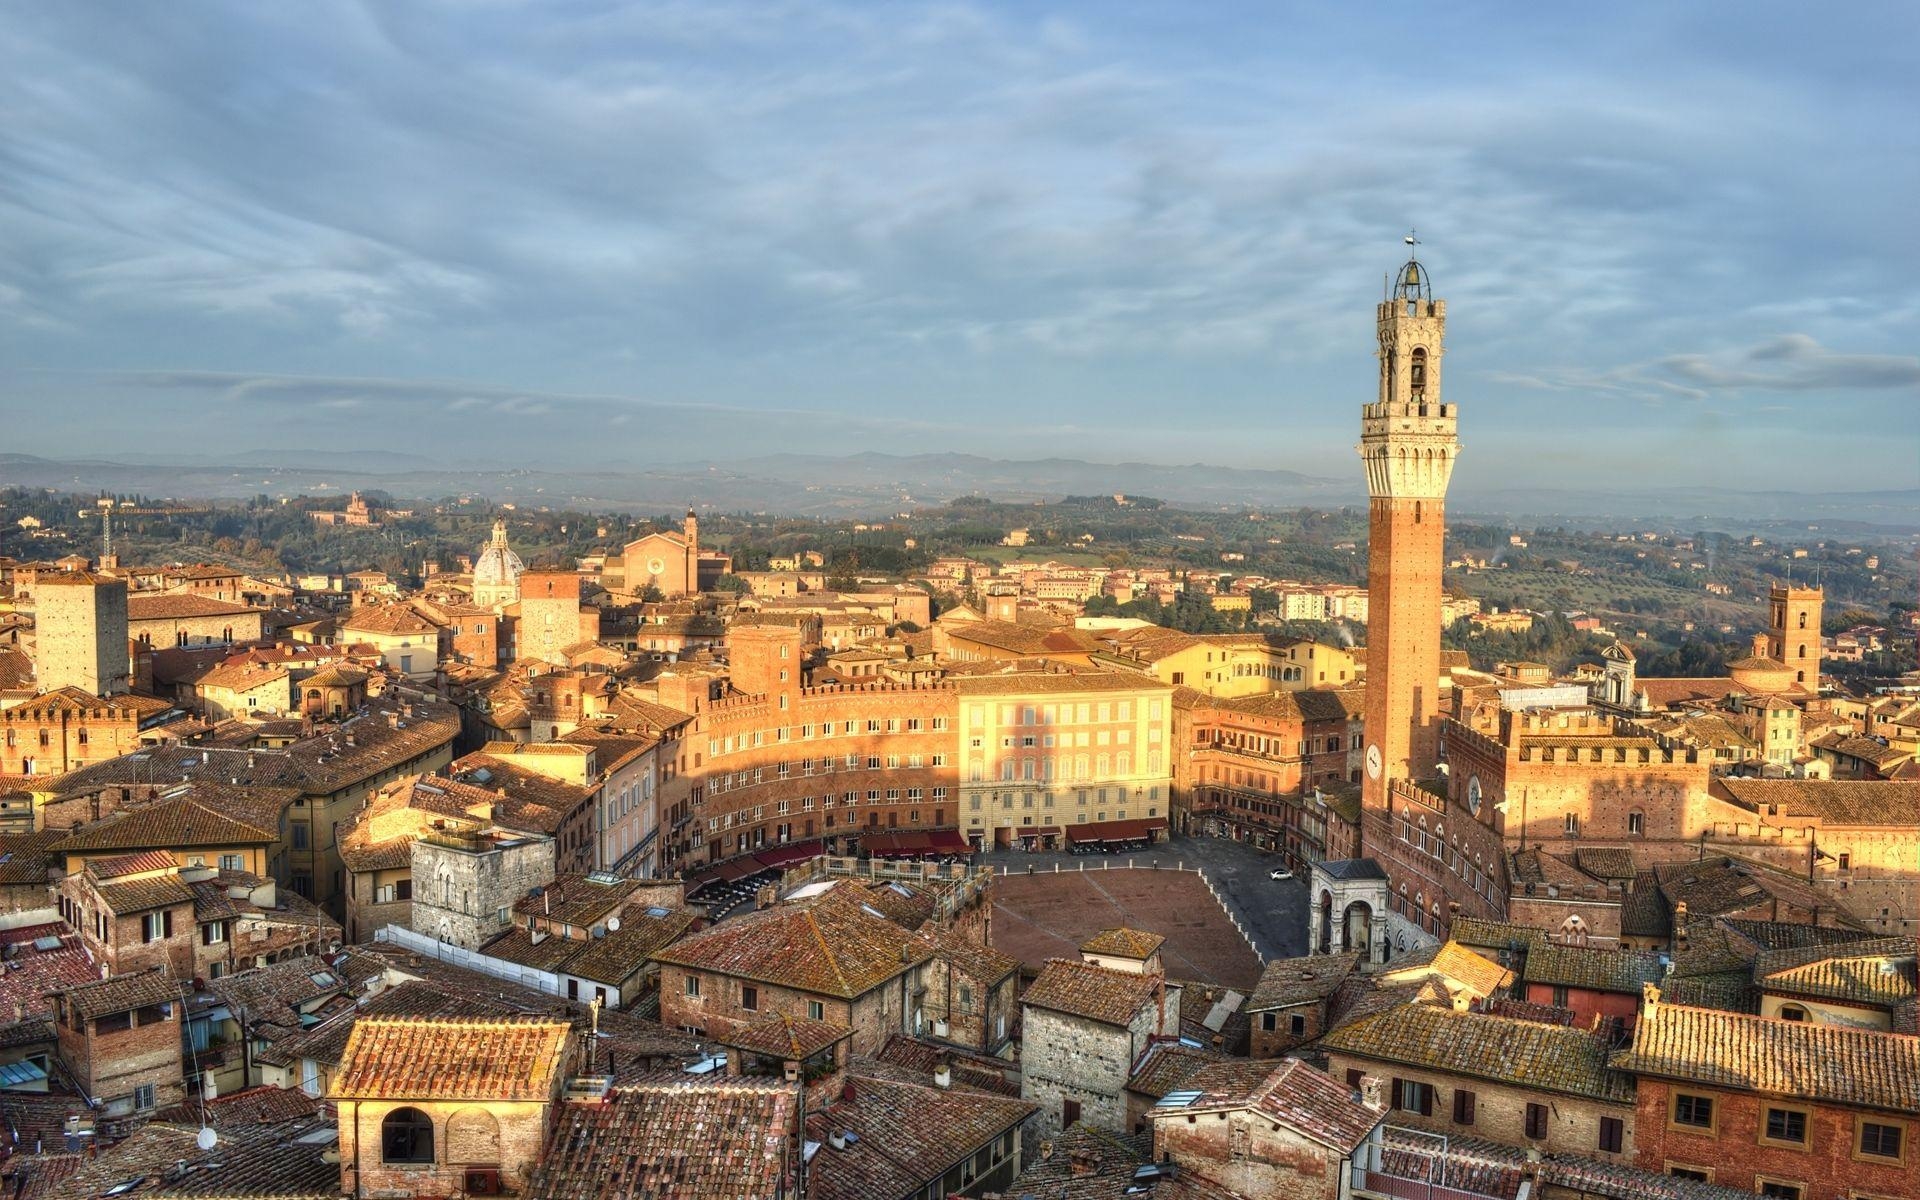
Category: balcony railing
[1379,1183]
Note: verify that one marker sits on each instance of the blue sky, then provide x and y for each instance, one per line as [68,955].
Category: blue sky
[1677,241]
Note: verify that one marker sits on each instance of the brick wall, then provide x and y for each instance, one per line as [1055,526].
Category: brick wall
[1734,1155]
[509,1136]
[718,1011]
[110,1064]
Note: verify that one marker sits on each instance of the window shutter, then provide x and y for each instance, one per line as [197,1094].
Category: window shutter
[1426,1099]
[1398,1091]
[166,923]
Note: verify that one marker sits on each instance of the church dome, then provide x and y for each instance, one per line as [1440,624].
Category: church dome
[498,565]
[1760,674]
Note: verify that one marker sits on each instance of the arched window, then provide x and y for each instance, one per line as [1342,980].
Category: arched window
[1418,372]
[1572,823]
[406,1136]
[1803,620]
[1636,822]
[1792,1012]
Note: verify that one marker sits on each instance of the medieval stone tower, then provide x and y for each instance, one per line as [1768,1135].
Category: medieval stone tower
[1408,445]
[1793,631]
[691,528]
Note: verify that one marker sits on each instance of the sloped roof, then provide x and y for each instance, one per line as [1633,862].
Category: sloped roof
[165,824]
[1593,968]
[1527,1053]
[1833,801]
[440,1059]
[1798,1059]
[1096,993]
[1877,971]
[710,1139]
[909,1135]
[1122,942]
[829,948]
[1290,981]
[1286,1091]
[122,993]
[786,1037]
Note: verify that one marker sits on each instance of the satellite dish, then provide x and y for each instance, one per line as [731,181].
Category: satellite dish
[613,924]
[207,1138]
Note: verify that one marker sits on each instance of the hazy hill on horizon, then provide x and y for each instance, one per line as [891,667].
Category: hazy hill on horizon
[869,484]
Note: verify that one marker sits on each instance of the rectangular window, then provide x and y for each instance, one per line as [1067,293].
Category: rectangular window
[1463,1104]
[816,1011]
[1613,1133]
[750,998]
[1412,1096]
[693,985]
[1694,1112]
[1269,1022]
[232,862]
[1297,1025]
[1069,1113]
[1536,1120]
[1781,1189]
[1881,1141]
[143,1096]
[1786,1125]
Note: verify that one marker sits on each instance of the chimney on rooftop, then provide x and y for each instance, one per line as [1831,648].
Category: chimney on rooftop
[1370,1094]
[1082,1162]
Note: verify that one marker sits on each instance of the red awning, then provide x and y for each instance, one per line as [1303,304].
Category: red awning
[1115,831]
[948,841]
[783,856]
[897,843]
[1026,831]
[739,868]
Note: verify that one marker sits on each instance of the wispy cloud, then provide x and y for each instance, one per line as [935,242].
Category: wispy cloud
[773,225]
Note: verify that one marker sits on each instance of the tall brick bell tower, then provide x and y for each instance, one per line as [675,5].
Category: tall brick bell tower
[1408,444]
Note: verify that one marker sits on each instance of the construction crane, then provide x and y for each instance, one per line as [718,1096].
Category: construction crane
[106,506]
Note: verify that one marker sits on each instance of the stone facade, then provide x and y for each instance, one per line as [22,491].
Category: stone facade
[1249,1154]
[80,633]
[551,618]
[1497,1111]
[1076,1068]
[465,885]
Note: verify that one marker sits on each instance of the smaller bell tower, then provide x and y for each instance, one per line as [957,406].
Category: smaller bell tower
[1793,631]
[691,527]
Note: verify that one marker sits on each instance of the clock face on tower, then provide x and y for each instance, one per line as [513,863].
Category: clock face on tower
[1473,795]
[1373,762]
[655,566]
